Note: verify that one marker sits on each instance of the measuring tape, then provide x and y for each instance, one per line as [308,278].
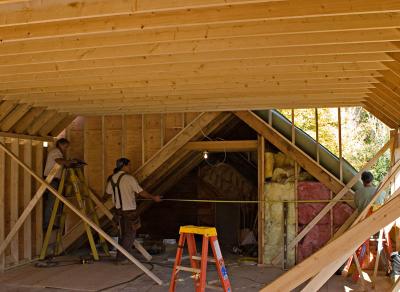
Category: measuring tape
[248,201]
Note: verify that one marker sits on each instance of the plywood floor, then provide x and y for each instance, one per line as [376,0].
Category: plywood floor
[101,276]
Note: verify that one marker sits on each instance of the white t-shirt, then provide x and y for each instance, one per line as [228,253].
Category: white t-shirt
[51,161]
[129,188]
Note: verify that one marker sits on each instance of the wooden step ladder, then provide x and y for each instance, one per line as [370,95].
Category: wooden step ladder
[199,264]
[81,193]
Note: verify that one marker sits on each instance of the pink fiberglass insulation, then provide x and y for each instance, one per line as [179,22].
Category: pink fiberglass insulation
[321,233]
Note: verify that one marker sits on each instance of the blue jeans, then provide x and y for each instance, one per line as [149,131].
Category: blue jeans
[48,203]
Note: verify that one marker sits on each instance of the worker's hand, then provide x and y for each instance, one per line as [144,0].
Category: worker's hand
[157,198]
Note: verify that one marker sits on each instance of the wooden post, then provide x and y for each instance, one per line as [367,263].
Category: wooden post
[27,198]
[14,190]
[67,203]
[39,205]
[261,198]
[339,196]
[296,181]
[317,133]
[2,197]
[340,144]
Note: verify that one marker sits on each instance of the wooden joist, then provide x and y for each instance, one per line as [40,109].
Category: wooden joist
[174,145]
[14,116]
[338,250]
[222,146]
[292,151]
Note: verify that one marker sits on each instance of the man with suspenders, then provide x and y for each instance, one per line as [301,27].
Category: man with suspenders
[123,188]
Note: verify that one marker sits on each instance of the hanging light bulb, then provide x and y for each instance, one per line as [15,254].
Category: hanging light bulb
[205,154]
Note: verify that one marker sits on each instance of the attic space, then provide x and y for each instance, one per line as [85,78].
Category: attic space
[190,145]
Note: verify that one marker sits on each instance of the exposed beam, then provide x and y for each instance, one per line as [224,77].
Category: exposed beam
[174,145]
[284,145]
[338,250]
[187,17]
[62,125]
[109,81]
[22,125]
[51,124]
[40,121]
[13,117]
[221,146]
[26,137]
[6,107]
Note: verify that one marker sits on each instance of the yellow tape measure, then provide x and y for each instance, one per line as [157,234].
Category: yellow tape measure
[248,201]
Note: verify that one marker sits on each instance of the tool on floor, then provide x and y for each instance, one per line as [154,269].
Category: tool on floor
[199,264]
[78,186]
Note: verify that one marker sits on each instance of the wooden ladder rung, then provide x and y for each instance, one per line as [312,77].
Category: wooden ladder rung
[187,269]
[197,258]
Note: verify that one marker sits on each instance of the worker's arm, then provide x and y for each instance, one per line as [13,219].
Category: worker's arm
[146,195]
[63,162]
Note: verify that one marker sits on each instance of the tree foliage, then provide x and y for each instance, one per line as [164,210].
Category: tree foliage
[362,134]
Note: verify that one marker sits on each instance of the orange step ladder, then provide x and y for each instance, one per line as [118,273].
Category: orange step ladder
[199,264]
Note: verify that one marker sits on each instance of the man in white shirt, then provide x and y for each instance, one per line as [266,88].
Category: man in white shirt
[56,155]
[124,188]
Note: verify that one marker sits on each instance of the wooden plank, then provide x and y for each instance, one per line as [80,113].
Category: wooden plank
[58,128]
[174,145]
[338,250]
[46,129]
[26,137]
[185,17]
[6,107]
[45,185]
[39,205]
[14,202]
[338,197]
[2,201]
[322,276]
[40,121]
[27,197]
[218,146]
[12,118]
[22,125]
[291,150]
[261,197]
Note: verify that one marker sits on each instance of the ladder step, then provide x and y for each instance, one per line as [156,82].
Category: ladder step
[211,260]
[187,269]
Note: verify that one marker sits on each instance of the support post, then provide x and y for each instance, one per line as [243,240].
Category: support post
[261,198]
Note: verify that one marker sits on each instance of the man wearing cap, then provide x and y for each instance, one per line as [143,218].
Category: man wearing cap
[123,188]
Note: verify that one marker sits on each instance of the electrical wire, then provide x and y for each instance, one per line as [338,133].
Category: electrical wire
[128,281]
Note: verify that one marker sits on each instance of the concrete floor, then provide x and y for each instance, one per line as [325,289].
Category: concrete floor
[107,276]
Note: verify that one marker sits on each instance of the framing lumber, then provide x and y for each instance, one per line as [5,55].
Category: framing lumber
[185,17]
[27,137]
[2,202]
[6,107]
[62,125]
[222,146]
[27,197]
[27,211]
[22,125]
[340,249]
[39,205]
[13,117]
[51,124]
[261,197]
[338,197]
[40,121]
[322,276]
[292,151]
[174,145]
[14,194]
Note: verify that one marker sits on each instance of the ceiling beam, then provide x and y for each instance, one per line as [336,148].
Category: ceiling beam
[222,146]
[189,17]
